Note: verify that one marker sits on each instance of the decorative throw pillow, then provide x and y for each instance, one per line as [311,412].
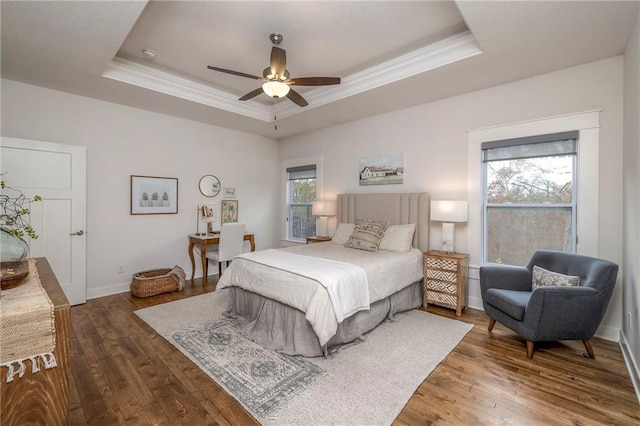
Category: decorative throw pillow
[342,234]
[367,234]
[543,278]
[398,238]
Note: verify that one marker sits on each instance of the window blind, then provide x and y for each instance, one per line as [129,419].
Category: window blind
[564,143]
[302,172]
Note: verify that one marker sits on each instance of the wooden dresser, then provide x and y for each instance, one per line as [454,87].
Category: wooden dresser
[42,398]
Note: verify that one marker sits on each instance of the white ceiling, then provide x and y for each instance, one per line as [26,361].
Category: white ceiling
[390,55]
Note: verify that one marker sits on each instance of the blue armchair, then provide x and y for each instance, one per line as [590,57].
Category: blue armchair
[549,313]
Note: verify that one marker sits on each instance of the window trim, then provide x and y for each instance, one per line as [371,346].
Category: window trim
[286,164]
[587,174]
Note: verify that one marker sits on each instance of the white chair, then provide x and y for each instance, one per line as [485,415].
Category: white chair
[231,241]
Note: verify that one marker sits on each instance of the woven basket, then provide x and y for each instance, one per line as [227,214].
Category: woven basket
[153,282]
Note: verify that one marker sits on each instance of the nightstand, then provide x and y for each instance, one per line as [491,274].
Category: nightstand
[446,280]
[316,239]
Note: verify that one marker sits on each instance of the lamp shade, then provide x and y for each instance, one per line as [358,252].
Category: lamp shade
[449,211]
[323,208]
[275,88]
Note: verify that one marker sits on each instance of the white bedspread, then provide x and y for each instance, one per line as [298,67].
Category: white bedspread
[387,272]
[346,283]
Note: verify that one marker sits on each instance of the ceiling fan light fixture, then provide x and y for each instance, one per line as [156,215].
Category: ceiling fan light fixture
[276,88]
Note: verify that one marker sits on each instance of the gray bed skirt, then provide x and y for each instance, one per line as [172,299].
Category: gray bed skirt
[282,328]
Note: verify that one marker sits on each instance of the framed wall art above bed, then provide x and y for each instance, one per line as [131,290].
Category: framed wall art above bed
[381,170]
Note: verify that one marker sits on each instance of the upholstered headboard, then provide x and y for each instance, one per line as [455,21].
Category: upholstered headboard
[396,209]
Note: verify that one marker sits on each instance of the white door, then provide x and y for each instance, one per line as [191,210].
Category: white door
[57,173]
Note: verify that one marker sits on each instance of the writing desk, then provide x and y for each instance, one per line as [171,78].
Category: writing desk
[203,241]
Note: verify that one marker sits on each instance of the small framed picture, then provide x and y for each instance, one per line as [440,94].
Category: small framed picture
[229,211]
[154,195]
[229,192]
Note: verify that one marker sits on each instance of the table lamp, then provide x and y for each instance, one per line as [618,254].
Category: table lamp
[448,212]
[323,209]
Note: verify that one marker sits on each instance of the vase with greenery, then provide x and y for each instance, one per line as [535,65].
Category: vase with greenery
[155,200]
[165,199]
[14,226]
[144,202]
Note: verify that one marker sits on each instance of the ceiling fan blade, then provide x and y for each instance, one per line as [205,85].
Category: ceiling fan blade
[314,81]
[297,98]
[252,94]
[238,73]
[278,61]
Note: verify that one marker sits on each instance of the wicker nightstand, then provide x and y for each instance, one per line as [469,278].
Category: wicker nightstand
[446,280]
[316,239]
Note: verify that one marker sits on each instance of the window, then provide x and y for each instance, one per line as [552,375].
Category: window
[301,191]
[529,196]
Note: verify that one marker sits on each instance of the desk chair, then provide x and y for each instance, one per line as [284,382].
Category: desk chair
[231,241]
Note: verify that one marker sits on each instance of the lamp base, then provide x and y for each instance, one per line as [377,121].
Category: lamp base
[323,226]
[448,236]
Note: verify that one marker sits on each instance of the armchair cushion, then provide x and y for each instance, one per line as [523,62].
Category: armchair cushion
[542,277]
[512,303]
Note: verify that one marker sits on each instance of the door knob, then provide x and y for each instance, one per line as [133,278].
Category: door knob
[78,232]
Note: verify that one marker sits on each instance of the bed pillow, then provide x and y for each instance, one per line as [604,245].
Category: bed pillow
[342,234]
[367,234]
[398,238]
[543,278]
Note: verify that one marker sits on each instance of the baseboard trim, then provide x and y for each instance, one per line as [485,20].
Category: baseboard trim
[110,290]
[632,367]
[611,334]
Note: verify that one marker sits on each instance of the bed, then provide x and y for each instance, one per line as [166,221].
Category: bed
[291,312]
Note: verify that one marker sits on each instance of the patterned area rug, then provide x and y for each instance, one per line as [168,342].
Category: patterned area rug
[262,379]
[364,384]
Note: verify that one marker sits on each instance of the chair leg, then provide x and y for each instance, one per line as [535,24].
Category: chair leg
[589,348]
[219,269]
[492,322]
[529,349]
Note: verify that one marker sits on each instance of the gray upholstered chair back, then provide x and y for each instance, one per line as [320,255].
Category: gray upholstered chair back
[593,272]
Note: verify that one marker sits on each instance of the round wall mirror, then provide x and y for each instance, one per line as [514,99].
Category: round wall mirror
[209,185]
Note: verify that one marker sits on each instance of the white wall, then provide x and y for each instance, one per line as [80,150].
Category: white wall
[631,149]
[122,141]
[433,138]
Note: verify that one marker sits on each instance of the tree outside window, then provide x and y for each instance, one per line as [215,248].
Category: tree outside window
[529,205]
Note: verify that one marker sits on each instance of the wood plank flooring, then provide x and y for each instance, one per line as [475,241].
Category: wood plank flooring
[122,372]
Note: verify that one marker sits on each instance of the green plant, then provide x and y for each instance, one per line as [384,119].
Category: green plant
[12,217]
[165,196]
[154,196]
[145,196]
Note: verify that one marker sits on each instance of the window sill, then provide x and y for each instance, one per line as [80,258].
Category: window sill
[291,243]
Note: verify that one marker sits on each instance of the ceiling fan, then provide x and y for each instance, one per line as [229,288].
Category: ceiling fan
[277,82]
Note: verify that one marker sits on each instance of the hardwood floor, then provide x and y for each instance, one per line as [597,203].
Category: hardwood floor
[122,372]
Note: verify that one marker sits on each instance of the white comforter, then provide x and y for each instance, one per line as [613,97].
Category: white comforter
[387,272]
[346,283]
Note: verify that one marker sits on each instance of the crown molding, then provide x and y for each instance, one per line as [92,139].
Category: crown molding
[146,77]
[444,52]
